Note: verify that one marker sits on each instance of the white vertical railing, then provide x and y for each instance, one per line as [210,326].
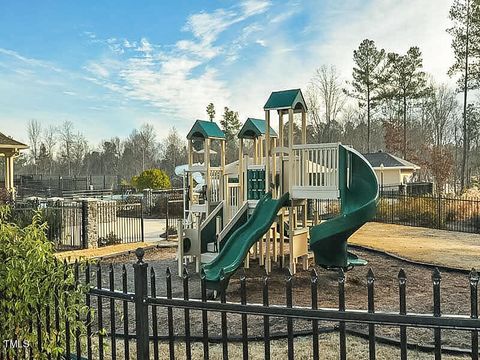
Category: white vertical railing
[216,184]
[315,168]
[233,199]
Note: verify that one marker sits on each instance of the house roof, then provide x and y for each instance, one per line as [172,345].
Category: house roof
[206,130]
[254,128]
[286,99]
[388,160]
[10,143]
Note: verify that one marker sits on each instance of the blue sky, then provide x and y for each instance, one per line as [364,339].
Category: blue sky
[109,66]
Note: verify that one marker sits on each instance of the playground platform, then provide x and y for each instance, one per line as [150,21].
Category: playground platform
[437,247]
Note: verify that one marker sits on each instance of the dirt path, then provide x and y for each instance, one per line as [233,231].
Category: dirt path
[438,247]
[112,250]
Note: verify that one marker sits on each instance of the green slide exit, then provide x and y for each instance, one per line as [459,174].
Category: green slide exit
[358,187]
[235,249]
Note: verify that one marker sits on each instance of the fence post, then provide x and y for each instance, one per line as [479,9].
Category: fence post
[142,225]
[84,224]
[141,305]
[166,218]
[439,212]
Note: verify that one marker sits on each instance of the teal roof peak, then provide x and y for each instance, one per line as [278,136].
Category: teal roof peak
[286,99]
[206,130]
[253,128]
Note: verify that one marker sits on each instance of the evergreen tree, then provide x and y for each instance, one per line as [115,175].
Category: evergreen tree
[231,126]
[367,76]
[211,111]
[407,82]
[465,31]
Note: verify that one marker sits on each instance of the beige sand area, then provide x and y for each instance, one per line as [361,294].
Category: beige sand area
[438,247]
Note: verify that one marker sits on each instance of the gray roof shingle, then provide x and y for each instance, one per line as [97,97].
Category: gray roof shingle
[388,160]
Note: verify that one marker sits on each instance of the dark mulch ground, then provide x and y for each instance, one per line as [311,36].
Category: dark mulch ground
[455,295]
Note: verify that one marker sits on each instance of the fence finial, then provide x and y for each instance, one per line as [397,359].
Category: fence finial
[402,277]
[370,276]
[474,277]
[313,276]
[341,276]
[436,276]
[140,253]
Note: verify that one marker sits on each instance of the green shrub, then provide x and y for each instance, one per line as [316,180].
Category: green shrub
[110,239]
[31,279]
[419,211]
[151,179]
[5,196]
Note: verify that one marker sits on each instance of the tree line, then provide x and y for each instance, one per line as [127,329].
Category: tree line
[389,103]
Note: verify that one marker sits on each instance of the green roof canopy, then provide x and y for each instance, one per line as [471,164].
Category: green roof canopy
[253,128]
[286,99]
[205,130]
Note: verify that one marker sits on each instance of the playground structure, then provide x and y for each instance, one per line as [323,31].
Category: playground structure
[253,207]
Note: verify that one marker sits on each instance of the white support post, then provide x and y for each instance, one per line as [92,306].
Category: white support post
[245,178]
[240,173]
[190,178]
[282,238]
[267,151]
[224,181]
[290,239]
[291,158]
[274,168]
[306,174]
[281,144]
[275,243]
[206,157]
[7,173]
[262,258]
[218,230]
[180,255]
[268,255]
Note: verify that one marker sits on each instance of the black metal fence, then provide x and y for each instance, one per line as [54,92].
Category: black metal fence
[56,185]
[156,202]
[145,323]
[112,222]
[65,221]
[430,211]
[435,212]
[119,222]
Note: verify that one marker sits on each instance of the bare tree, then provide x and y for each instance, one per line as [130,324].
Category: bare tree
[327,82]
[34,129]
[50,139]
[79,149]
[312,98]
[67,138]
[442,112]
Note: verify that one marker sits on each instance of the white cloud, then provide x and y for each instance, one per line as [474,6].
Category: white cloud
[178,81]
[29,61]
[255,7]
[97,69]
[292,56]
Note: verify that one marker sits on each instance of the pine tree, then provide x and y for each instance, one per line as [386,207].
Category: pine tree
[231,126]
[407,82]
[465,31]
[367,75]
[211,111]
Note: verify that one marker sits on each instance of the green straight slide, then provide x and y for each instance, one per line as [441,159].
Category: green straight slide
[358,187]
[235,249]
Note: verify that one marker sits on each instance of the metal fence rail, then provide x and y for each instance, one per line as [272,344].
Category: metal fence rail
[116,222]
[430,211]
[110,336]
[64,221]
[119,222]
